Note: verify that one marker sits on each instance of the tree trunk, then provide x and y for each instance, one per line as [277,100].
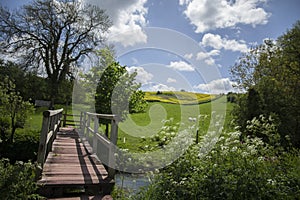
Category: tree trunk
[53,92]
[13,130]
[106,130]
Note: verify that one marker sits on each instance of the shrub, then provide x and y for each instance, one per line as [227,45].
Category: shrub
[17,181]
[24,147]
[252,169]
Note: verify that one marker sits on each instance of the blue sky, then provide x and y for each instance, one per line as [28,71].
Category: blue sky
[190,44]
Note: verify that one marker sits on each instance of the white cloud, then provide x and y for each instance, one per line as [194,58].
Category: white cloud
[210,61]
[212,14]
[182,2]
[217,42]
[128,19]
[204,55]
[181,66]
[171,80]
[143,76]
[188,56]
[161,87]
[208,56]
[218,86]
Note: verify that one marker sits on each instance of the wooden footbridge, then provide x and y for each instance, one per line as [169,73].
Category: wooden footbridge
[69,157]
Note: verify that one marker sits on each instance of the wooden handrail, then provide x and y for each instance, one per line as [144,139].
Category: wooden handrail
[50,127]
[50,113]
[103,116]
[102,146]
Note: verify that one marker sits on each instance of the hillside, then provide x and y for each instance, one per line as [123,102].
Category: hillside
[176,97]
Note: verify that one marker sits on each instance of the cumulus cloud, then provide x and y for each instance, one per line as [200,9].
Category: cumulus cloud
[217,42]
[204,55]
[171,80]
[128,19]
[218,86]
[212,14]
[161,87]
[181,66]
[208,56]
[143,76]
[182,2]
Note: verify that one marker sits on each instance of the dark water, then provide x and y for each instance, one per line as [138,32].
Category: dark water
[131,182]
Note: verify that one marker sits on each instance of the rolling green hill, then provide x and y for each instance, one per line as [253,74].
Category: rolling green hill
[176,97]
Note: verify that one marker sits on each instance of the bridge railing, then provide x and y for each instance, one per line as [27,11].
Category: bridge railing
[104,147]
[50,127]
[71,120]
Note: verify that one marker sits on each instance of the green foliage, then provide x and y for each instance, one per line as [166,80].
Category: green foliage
[166,133]
[232,97]
[4,126]
[24,148]
[31,86]
[233,169]
[248,106]
[17,181]
[116,90]
[265,128]
[270,74]
[13,107]
[137,103]
[109,85]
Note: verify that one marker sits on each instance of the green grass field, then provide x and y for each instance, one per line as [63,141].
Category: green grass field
[138,130]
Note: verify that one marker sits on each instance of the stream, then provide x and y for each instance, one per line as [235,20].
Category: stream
[131,182]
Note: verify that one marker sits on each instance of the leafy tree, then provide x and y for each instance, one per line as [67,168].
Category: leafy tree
[89,80]
[111,88]
[115,91]
[272,70]
[54,35]
[13,107]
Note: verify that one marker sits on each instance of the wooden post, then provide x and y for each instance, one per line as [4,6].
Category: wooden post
[42,145]
[51,128]
[88,124]
[80,123]
[96,127]
[65,120]
[84,124]
[51,120]
[43,139]
[112,149]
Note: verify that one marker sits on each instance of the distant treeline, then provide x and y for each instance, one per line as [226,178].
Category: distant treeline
[31,85]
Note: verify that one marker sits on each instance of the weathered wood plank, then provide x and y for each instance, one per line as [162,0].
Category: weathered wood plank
[73,180]
[71,164]
[86,197]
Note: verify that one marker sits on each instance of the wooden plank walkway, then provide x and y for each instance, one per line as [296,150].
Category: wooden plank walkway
[71,166]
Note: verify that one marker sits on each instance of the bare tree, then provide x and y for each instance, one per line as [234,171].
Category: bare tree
[53,34]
